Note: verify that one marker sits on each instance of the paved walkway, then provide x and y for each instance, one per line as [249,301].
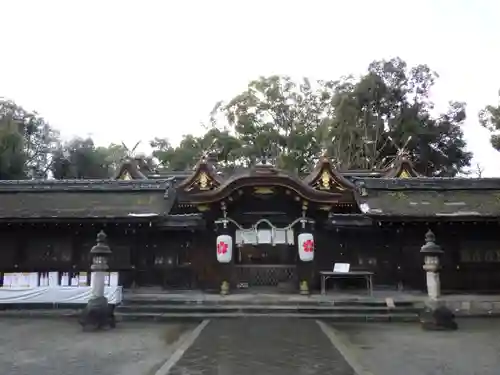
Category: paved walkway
[261,346]
[49,347]
[395,349]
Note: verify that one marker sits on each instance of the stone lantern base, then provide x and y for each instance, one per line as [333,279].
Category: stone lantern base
[97,314]
[437,317]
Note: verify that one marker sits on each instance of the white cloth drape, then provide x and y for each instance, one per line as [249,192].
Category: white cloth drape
[56,295]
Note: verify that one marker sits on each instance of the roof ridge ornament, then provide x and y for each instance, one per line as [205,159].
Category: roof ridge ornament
[399,165]
[325,157]
[269,157]
[204,176]
[402,152]
[130,153]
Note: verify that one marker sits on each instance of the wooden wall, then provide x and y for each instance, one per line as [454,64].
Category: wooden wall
[471,261]
[364,248]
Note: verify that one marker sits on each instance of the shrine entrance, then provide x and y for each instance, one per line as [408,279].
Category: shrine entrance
[266,267]
[265,258]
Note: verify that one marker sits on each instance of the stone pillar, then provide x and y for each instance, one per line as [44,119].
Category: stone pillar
[98,313]
[436,316]
[99,267]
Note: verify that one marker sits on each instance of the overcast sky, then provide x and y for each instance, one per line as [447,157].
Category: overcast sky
[132,70]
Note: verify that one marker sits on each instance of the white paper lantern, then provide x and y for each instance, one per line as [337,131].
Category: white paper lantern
[306,247]
[224,248]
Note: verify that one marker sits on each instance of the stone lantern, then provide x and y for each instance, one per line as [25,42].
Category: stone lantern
[436,316]
[432,254]
[98,313]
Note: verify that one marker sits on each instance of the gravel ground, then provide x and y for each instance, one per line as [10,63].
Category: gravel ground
[49,347]
[395,349]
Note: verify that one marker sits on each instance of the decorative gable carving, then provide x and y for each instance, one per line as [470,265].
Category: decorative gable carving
[404,174]
[202,182]
[125,176]
[204,178]
[328,182]
[324,177]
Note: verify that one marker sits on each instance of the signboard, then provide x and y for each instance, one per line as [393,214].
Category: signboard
[341,267]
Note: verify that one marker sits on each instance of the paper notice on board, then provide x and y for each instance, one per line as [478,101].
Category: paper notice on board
[25,280]
[53,279]
[14,281]
[341,267]
[65,279]
[33,282]
[82,279]
[7,280]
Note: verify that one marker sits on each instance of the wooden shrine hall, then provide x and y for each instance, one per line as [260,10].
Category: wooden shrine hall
[258,228]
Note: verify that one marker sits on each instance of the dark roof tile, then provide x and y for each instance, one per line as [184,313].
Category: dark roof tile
[450,204]
[82,205]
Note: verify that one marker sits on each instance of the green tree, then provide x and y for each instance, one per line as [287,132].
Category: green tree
[216,143]
[80,158]
[489,117]
[26,142]
[12,157]
[361,122]
[390,107]
[276,116]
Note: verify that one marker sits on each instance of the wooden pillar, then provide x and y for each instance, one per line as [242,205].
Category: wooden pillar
[399,258]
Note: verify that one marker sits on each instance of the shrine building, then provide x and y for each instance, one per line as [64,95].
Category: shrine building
[259,228]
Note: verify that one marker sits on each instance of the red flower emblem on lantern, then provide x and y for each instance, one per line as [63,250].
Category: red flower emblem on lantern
[222,247]
[308,246]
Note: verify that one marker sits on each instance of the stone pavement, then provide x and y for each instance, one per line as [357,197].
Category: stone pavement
[270,346]
[404,348]
[49,347]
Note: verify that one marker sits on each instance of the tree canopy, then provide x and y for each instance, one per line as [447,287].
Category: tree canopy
[80,158]
[358,121]
[361,122]
[489,117]
[26,142]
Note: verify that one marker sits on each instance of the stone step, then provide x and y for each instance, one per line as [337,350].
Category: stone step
[209,309]
[134,300]
[197,316]
[399,317]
